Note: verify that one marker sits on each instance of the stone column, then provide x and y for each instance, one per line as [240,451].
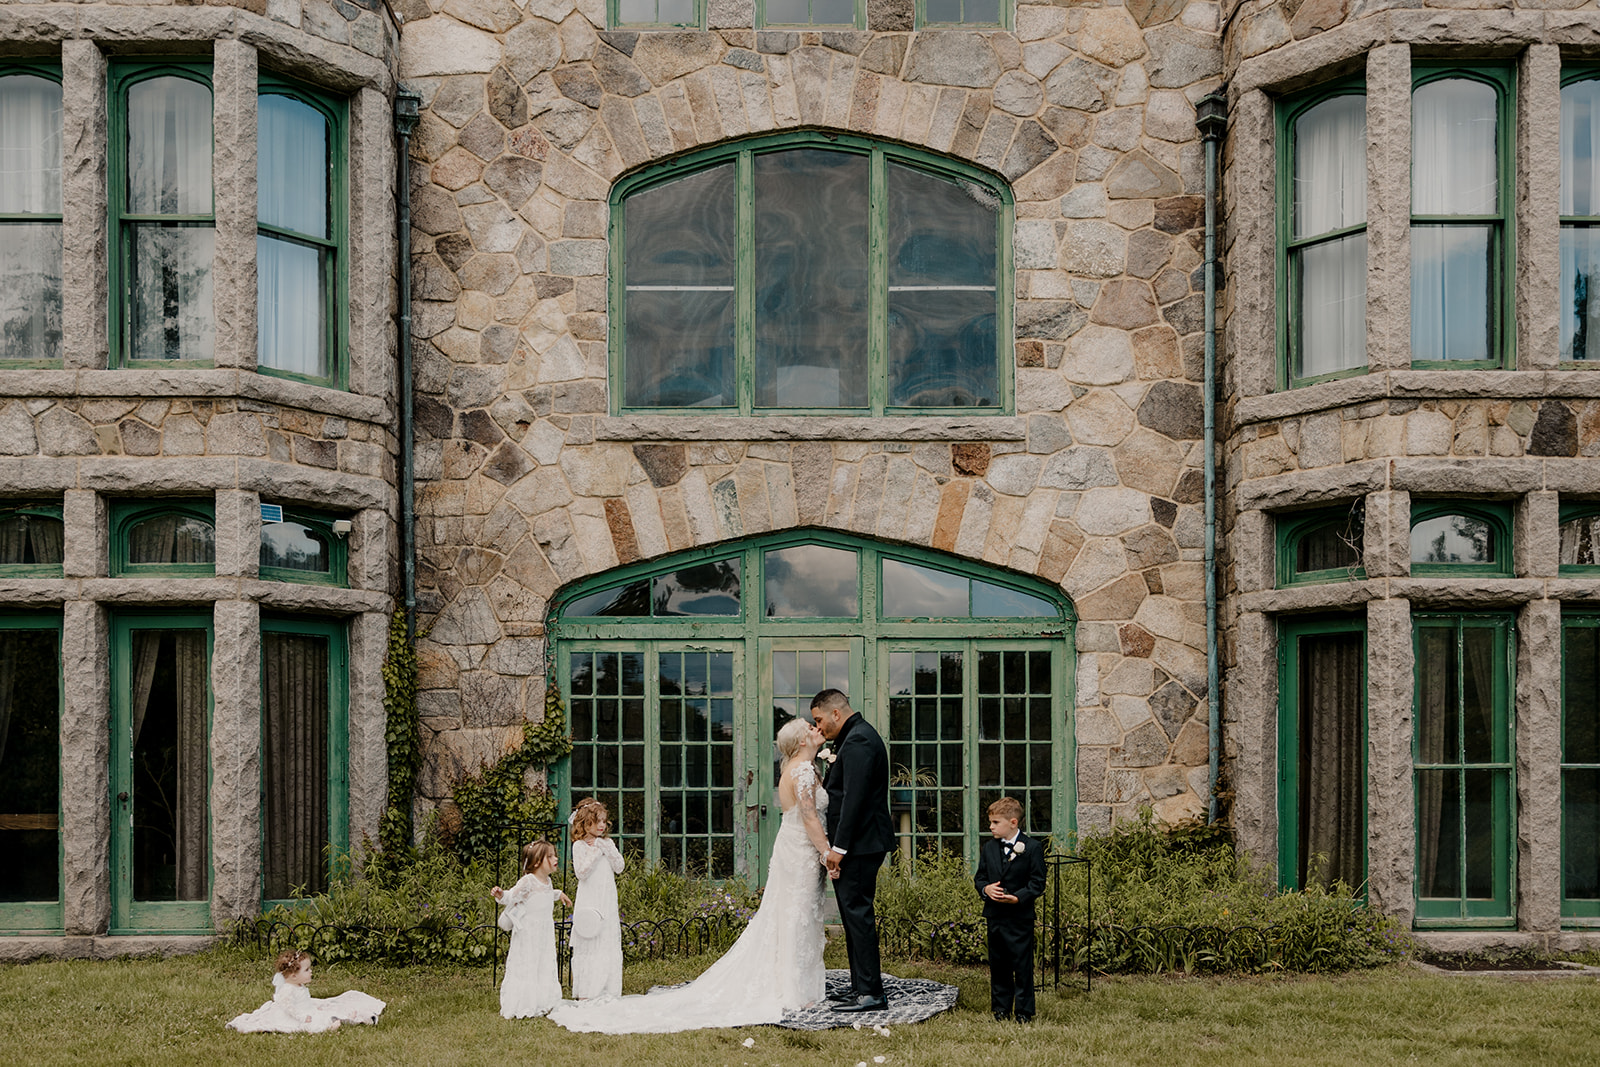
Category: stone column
[1538,216]
[1386,535]
[1538,767]
[85,767]
[234,182]
[1391,830]
[238,533]
[84,292]
[1389,207]
[1536,546]
[86,549]
[1251,715]
[371,550]
[373,286]
[235,761]
[1254,552]
[368,757]
[1251,333]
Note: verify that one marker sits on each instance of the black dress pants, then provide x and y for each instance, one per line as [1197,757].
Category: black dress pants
[1011,968]
[854,889]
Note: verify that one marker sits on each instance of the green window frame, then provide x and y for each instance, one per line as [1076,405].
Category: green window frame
[878,368]
[1580,537]
[125,224]
[764,19]
[14,221]
[331,247]
[42,916]
[1292,250]
[1463,757]
[333,849]
[647,14]
[1580,224]
[1496,516]
[932,14]
[1580,768]
[125,515]
[778,660]
[1500,224]
[1295,531]
[34,511]
[1322,753]
[321,524]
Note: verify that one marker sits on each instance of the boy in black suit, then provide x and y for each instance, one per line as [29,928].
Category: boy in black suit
[1011,876]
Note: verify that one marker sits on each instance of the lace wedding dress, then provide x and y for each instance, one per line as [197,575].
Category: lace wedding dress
[774,966]
[293,1010]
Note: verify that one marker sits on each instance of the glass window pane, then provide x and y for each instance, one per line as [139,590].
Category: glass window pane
[294,757]
[1580,314]
[30,145]
[1438,721]
[30,765]
[1580,148]
[30,290]
[292,306]
[1454,164]
[30,539]
[676,12]
[292,165]
[172,539]
[172,313]
[1453,539]
[682,232]
[811,279]
[636,10]
[169,701]
[169,147]
[1478,736]
[294,546]
[1451,295]
[1580,834]
[912,592]
[811,581]
[1438,834]
[1481,792]
[787,12]
[1330,166]
[943,10]
[706,589]
[942,348]
[1327,547]
[941,232]
[997,602]
[1580,686]
[833,12]
[1331,304]
[1332,800]
[630,599]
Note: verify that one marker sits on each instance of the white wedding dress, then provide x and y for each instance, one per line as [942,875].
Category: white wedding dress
[774,966]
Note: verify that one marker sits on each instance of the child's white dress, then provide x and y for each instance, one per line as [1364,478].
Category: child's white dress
[532,986]
[596,928]
[293,1010]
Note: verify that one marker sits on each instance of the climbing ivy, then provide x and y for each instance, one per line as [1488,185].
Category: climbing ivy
[495,804]
[400,734]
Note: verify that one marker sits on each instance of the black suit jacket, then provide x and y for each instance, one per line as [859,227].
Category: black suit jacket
[1023,876]
[858,790]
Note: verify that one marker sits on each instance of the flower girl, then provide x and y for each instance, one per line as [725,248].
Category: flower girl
[596,927]
[292,1009]
[532,986]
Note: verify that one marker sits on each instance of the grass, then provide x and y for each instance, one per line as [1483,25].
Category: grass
[171,1012]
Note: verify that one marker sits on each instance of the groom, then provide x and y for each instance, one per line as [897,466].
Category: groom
[861,834]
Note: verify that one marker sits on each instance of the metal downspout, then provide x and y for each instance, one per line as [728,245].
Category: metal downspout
[1211,116]
[407,109]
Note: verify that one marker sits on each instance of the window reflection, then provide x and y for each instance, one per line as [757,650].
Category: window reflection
[1580,542]
[707,589]
[30,248]
[30,539]
[1453,539]
[294,546]
[172,539]
[912,592]
[811,581]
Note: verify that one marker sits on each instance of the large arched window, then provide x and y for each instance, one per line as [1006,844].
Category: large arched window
[811,273]
[678,674]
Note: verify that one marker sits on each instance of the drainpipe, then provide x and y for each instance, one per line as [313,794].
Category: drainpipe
[407,109]
[1211,116]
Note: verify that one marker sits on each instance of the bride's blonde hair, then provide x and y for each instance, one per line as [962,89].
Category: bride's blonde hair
[791,736]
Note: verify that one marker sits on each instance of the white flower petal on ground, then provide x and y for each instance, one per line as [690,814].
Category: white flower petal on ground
[749,1042]
[879,1059]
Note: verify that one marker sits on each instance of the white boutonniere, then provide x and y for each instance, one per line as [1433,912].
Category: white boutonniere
[1016,849]
[827,755]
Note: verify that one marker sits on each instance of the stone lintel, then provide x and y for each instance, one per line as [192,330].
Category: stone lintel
[1303,598]
[1467,593]
[1320,486]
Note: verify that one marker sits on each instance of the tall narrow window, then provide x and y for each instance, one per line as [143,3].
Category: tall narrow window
[1580,767]
[1325,256]
[30,217]
[1462,756]
[1460,236]
[1580,211]
[298,236]
[1322,782]
[30,772]
[162,214]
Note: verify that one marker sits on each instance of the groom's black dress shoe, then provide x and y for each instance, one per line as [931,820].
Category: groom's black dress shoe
[848,997]
[864,1004]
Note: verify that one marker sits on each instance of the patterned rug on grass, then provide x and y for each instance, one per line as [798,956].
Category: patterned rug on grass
[911,1000]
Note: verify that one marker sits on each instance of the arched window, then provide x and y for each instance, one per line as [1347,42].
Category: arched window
[31,540]
[1454,538]
[1321,546]
[811,273]
[679,673]
[177,539]
[303,547]
[1580,538]
[30,216]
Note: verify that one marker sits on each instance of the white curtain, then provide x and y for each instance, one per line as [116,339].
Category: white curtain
[292,165]
[30,145]
[169,147]
[1330,193]
[291,320]
[1580,140]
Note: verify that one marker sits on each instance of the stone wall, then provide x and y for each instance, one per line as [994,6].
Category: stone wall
[531,114]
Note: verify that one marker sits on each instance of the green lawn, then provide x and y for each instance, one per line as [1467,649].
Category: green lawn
[169,1012]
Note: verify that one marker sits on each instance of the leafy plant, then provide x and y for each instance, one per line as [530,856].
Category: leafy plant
[400,736]
[496,807]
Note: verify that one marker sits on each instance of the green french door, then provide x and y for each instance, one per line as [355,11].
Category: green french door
[793,670]
[161,773]
[1462,755]
[30,773]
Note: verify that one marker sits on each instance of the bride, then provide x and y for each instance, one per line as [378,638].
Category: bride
[776,964]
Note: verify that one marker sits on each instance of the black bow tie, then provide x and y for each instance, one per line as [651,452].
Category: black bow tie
[1007,845]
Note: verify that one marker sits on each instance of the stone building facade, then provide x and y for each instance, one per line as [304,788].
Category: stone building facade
[1026,567]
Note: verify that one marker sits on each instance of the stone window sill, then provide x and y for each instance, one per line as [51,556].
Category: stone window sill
[193,382]
[1583,383]
[809,428]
